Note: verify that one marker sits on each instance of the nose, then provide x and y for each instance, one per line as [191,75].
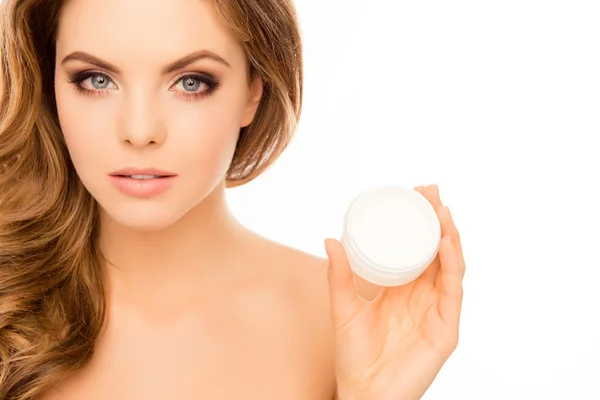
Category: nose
[141,122]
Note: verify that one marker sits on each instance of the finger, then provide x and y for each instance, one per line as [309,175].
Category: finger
[432,193]
[449,283]
[431,272]
[344,299]
[449,228]
[420,189]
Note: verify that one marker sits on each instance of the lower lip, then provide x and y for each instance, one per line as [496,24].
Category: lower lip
[142,187]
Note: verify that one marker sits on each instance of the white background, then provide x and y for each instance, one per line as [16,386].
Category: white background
[499,103]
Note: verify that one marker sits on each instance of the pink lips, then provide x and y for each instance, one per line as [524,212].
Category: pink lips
[149,186]
[142,171]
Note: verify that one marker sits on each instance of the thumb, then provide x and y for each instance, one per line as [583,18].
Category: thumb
[344,299]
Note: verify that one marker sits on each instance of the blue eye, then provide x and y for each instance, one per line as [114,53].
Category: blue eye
[98,86]
[191,84]
[99,82]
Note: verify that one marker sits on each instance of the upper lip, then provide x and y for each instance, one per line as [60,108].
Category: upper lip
[141,171]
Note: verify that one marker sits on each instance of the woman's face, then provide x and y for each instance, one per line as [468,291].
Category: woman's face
[150,84]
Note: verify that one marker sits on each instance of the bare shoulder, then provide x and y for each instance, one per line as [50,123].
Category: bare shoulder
[302,273]
[268,327]
[299,280]
[302,278]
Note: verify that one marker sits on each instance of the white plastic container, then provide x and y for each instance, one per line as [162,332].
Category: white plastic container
[391,234]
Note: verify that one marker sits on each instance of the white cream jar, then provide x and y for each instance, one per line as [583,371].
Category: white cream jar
[390,234]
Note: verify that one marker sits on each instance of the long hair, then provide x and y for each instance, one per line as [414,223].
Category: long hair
[52,302]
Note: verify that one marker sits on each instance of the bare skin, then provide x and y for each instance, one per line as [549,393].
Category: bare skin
[266,337]
[198,306]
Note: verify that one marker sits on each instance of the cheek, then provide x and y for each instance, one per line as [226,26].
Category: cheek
[86,126]
[204,137]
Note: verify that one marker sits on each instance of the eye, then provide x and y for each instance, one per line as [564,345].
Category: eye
[97,81]
[189,86]
[91,83]
[192,86]
[190,83]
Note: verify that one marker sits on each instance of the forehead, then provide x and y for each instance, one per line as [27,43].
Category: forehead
[144,30]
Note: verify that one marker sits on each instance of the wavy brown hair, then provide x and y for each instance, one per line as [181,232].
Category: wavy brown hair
[52,303]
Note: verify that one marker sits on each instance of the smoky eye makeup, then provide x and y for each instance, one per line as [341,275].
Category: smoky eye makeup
[189,85]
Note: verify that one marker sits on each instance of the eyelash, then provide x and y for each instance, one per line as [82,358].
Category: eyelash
[76,80]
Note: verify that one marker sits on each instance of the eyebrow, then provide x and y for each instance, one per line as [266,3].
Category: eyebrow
[172,67]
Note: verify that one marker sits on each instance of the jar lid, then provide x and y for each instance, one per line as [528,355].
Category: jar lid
[390,231]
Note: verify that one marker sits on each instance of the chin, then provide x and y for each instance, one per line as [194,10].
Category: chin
[145,215]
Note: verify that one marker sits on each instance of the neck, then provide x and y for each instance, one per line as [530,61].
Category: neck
[168,266]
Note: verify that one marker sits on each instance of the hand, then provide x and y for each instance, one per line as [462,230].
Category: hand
[393,347]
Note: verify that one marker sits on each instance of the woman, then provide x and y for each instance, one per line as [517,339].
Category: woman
[123,274]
